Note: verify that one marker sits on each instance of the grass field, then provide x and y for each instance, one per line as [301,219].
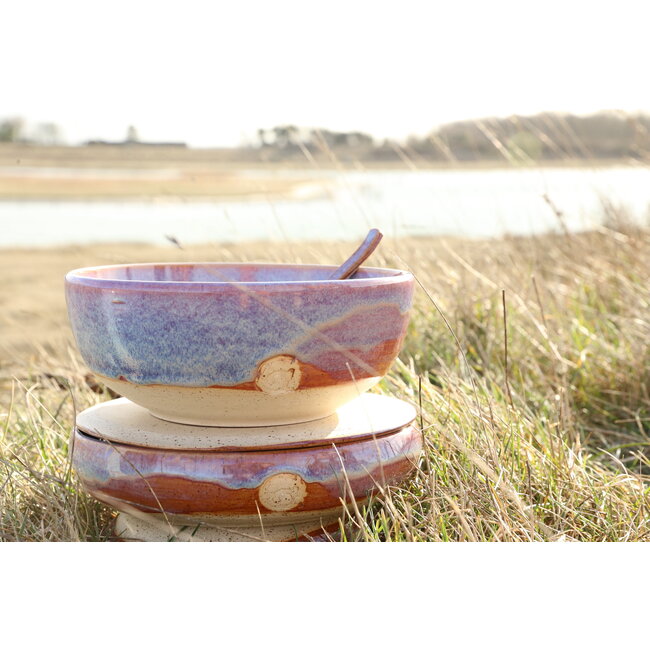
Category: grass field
[528,360]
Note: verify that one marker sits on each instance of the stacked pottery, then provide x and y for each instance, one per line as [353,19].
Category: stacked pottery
[245,384]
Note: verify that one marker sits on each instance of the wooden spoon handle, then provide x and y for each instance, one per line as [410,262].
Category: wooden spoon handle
[350,266]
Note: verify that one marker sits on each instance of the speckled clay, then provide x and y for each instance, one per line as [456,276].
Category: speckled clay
[238,345]
[277,488]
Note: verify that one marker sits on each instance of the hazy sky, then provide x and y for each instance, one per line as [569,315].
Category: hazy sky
[212,73]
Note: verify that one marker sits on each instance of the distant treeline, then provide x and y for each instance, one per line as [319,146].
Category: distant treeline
[14,129]
[546,136]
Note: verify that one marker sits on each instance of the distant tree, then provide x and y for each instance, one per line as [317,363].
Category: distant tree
[358,139]
[467,141]
[293,133]
[340,139]
[11,129]
[132,134]
[47,133]
[261,136]
[524,144]
[640,147]
[285,135]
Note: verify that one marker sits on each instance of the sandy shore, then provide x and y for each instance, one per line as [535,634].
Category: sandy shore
[139,172]
[136,173]
[44,183]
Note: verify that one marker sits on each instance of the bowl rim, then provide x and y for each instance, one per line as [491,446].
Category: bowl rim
[386,275]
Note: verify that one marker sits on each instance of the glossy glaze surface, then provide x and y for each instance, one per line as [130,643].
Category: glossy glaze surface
[283,487]
[270,330]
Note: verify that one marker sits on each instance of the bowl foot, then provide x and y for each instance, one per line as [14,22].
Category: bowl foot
[129,528]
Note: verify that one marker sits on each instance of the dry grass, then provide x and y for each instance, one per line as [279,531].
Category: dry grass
[548,442]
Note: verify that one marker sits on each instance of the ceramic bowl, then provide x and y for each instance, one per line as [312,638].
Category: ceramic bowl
[285,488]
[275,482]
[238,344]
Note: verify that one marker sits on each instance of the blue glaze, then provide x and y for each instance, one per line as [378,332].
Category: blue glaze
[197,333]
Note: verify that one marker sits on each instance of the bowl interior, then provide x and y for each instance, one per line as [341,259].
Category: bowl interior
[206,272]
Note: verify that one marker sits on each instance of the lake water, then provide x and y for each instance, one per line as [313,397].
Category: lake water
[344,206]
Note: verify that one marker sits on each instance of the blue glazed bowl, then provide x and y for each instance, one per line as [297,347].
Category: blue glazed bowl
[238,344]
